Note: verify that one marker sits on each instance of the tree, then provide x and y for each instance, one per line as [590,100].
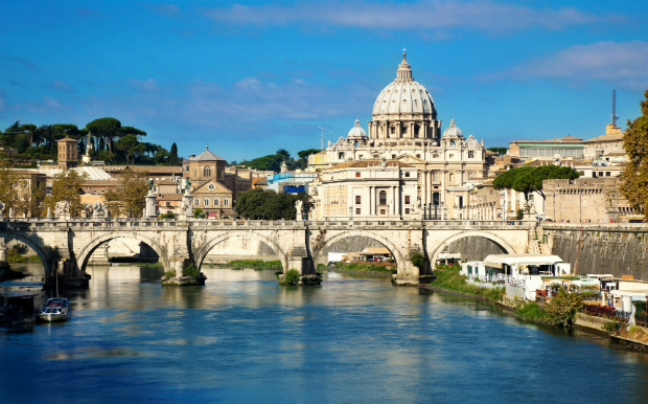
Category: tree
[28,130]
[499,150]
[305,153]
[266,204]
[173,156]
[129,130]
[634,179]
[128,145]
[106,129]
[130,197]
[66,188]
[283,152]
[529,179]
[21,143]
[8,195]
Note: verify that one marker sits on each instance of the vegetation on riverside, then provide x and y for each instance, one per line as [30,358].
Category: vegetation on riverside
[291,277]
[531,311]
[142,264]
[449,278]
[169,274]
[634,179]
[365,267]
[563,307]
[259,203]
[418,259]
[14,256]
[191,271]
[256,264]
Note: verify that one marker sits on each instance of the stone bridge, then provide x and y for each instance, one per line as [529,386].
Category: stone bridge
[66,246]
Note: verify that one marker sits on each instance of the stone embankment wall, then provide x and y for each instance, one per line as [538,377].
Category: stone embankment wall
[606,249]
[475,248]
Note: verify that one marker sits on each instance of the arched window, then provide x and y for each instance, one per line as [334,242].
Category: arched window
[393,130]
[207,172]
[452,143]
[382,198]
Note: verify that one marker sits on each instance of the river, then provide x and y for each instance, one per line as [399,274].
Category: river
[244,339]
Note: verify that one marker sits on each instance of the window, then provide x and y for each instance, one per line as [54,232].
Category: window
[382,211]
[452,143]
[418,156]
[451,156]
[207,172]
[341,156]
[197,202]
[436,176]
[357,211]
[211,187]
[393,156]
[407,211]
[357,175]
[407,199]
[206,202]
[216,202]
[226,202]
[471,154]
[382,198]
[607,173]
[358,200]
[361,157]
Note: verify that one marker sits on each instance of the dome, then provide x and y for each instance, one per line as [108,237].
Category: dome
[452,130]
[404,95]
[357,132]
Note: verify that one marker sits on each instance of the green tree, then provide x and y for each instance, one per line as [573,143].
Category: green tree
[29,130]
[499,150]
[634,185]
[129,130]
[105,128]
[266,204]
[21,143]
[283,152]
[8,179]
[529,179]
[129,145]
[173,155]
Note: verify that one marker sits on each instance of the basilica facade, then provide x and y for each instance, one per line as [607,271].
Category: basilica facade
[405,128]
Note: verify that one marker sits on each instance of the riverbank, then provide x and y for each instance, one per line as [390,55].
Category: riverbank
[562,312]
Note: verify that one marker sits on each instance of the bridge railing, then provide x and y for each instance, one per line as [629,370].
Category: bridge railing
[597,226]
[157,223]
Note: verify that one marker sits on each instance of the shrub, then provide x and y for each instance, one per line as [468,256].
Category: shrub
[291,277]
[449,278]
[321,266]
[191,270]
[169,274]
[260,264]
[168,215]
[562,308]
[417,259]
[531,311]
[609,326]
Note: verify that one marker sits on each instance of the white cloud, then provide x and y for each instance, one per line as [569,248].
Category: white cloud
[623,64]
[144,85]
[478,15]
[61,86]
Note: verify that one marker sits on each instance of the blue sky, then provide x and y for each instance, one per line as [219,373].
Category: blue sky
[252,77]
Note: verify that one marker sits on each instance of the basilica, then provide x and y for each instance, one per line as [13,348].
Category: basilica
[404,135]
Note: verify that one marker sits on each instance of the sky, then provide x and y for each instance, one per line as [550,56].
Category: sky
[251,77]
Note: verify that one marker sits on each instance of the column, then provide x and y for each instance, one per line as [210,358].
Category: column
[369,201]
[424,188]
[393,212]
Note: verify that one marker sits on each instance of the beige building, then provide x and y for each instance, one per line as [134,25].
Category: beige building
[610,144]
[68,153]
[385,189]
[587,200]
[404,127]
[568,146]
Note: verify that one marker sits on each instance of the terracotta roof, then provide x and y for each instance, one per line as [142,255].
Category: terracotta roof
[260,181]
[206,156]
[170,197]
[94,183]
[369,163]
[612,137]
[149,169]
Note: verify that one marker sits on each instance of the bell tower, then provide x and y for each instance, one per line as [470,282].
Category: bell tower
[68,153]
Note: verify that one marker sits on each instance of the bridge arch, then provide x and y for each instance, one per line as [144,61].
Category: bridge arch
[42,251]
[485,234]
[86,252]
[401,264]
[201,253]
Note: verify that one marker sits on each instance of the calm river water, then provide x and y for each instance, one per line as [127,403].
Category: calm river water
[244,339]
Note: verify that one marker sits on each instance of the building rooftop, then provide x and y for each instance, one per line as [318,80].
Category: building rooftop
[612,137]
[369,163]
[566,139]
[206,156]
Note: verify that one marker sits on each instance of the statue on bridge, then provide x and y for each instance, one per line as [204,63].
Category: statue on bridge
[298,207]
[62,210]
[99,210]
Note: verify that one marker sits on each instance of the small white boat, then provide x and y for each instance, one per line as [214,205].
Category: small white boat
[56,309]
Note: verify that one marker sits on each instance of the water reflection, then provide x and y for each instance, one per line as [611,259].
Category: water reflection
[243,338]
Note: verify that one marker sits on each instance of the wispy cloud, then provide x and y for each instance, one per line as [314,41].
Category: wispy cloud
[61,86]
[478,15]
[144,85]
[623,64]
[24,63]
[169,10]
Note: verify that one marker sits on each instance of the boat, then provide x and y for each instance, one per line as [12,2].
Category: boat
[56,309]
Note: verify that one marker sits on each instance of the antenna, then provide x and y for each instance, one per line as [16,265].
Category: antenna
[614,116]
[324,133]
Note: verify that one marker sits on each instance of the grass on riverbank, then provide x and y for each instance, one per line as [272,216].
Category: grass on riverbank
[531,311]
[449,278]
[365,267]
[254,264]
[14,256]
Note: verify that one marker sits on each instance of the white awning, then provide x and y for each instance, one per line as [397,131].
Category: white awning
[498,260]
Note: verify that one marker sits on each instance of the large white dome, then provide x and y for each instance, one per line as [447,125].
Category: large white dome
[404,95]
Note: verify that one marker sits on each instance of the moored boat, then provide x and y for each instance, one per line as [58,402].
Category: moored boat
[56,309]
